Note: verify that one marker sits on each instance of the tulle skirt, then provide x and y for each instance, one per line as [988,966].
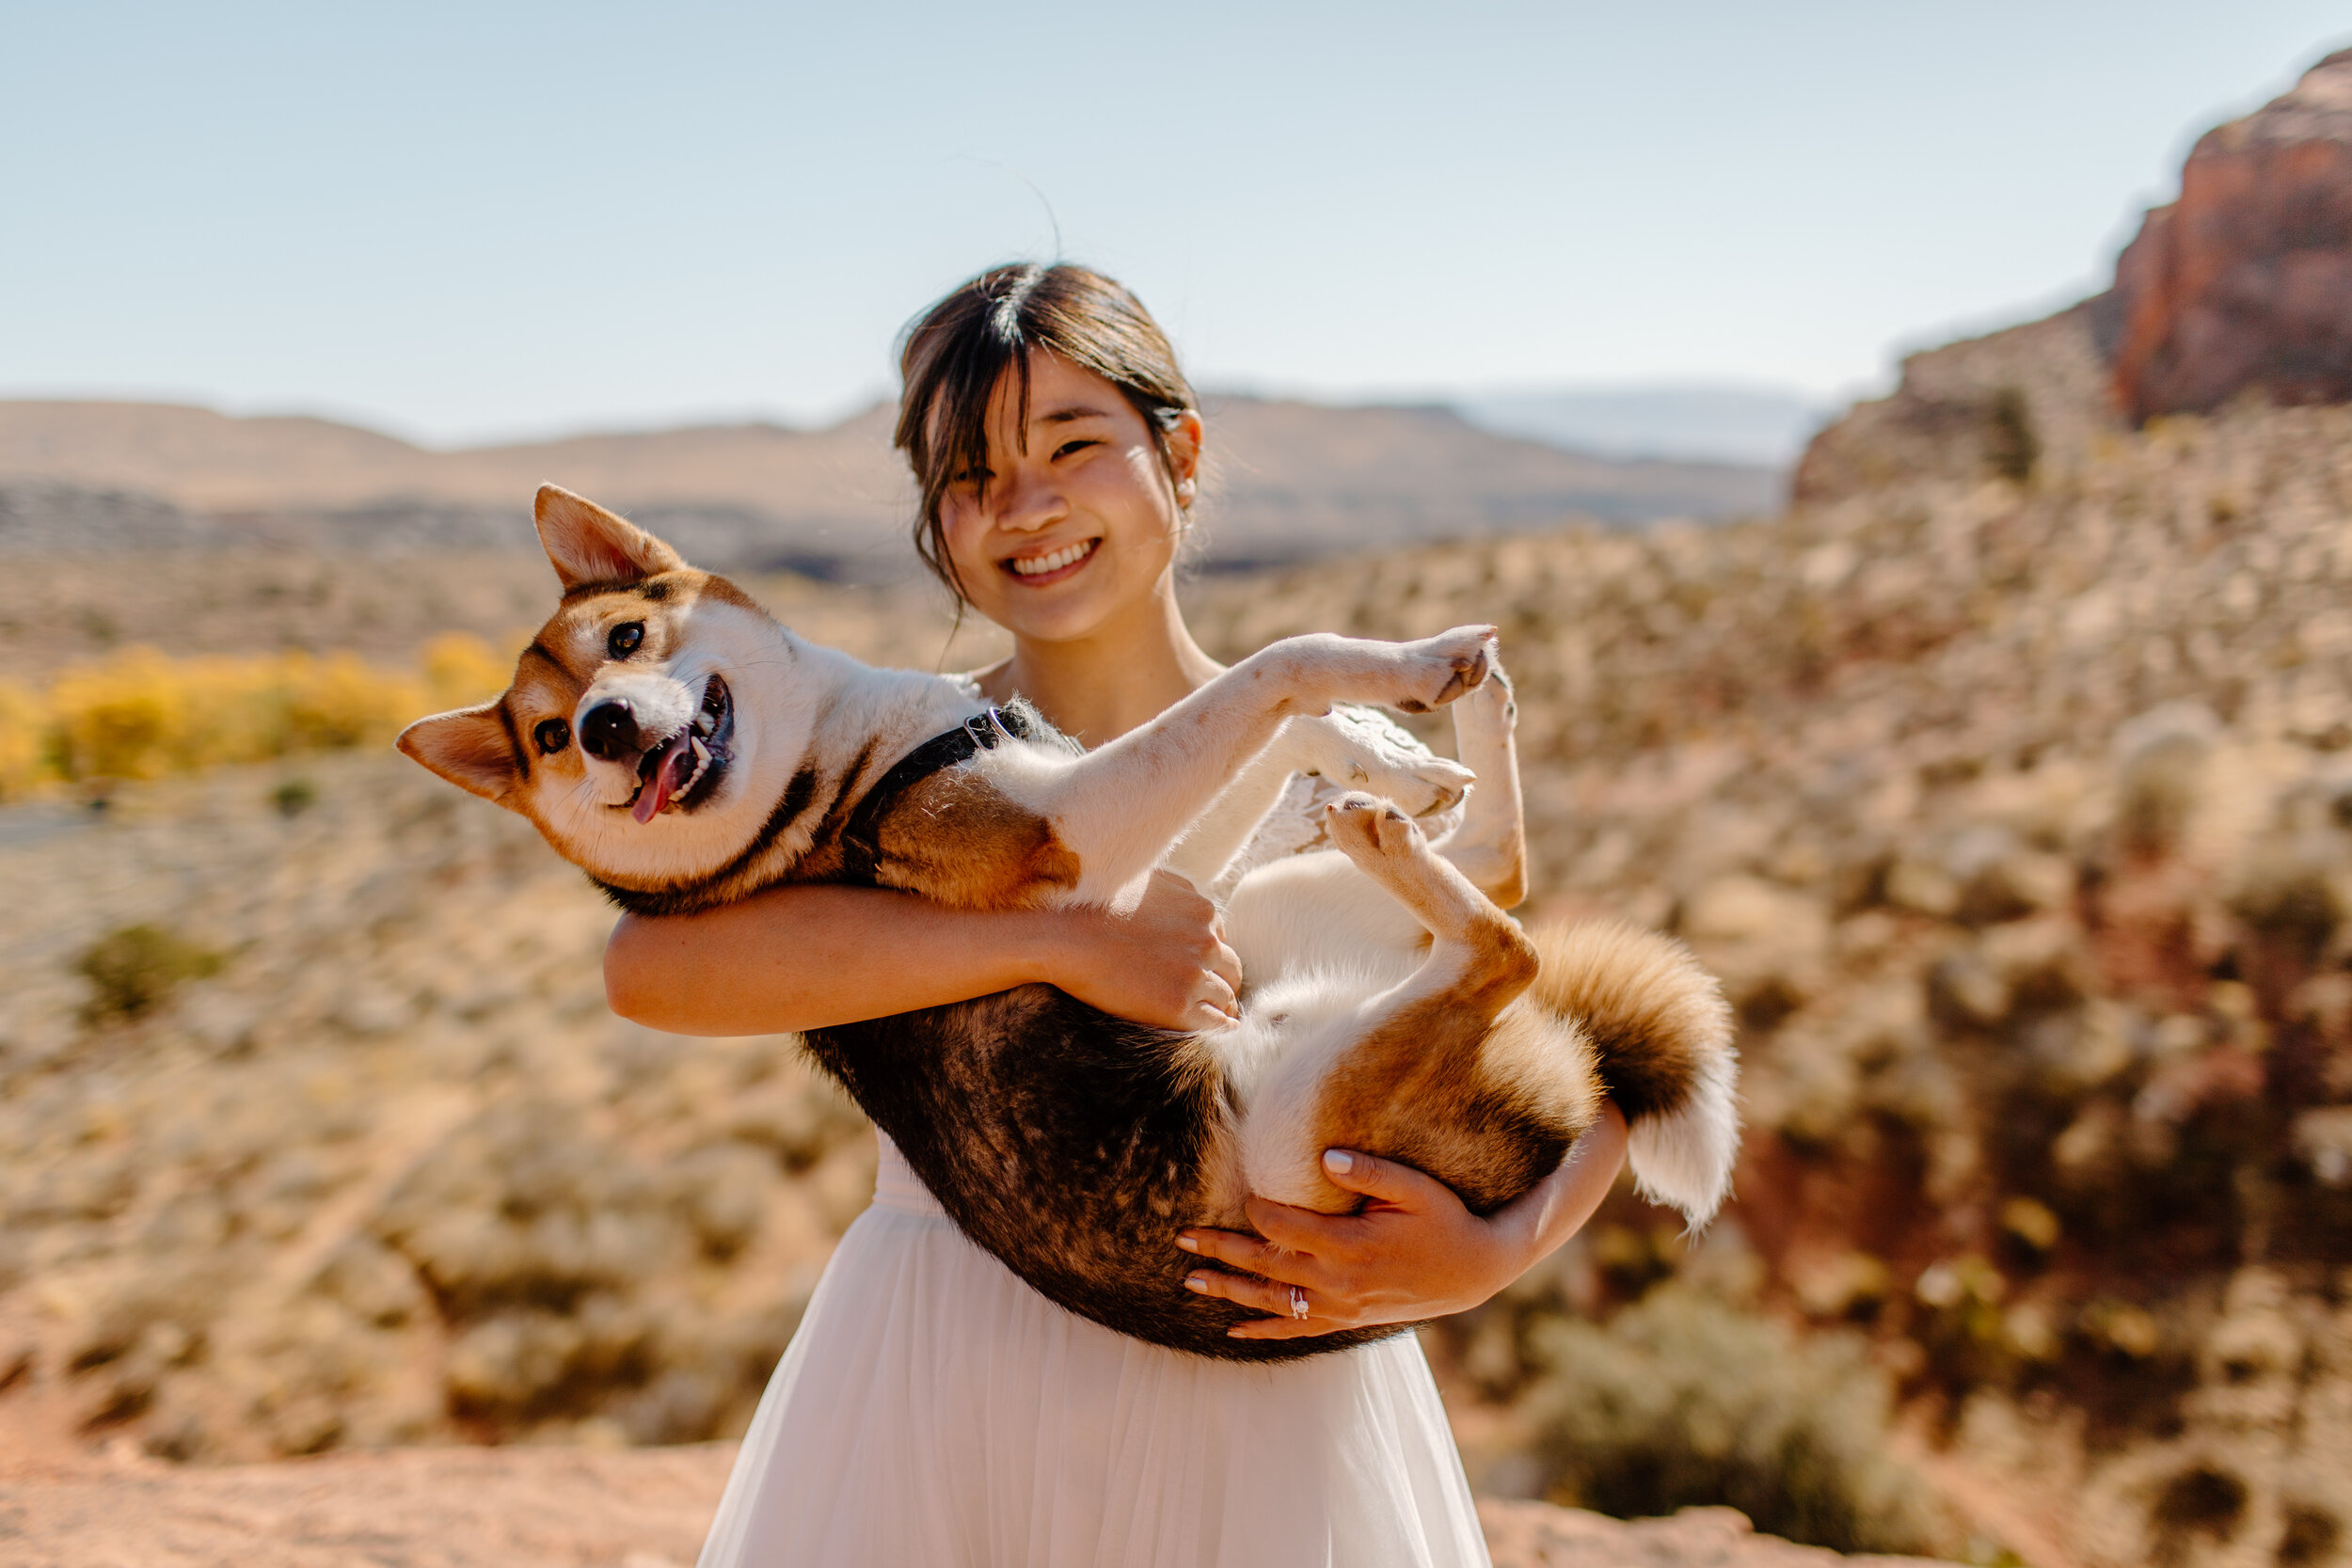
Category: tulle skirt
[933,1410]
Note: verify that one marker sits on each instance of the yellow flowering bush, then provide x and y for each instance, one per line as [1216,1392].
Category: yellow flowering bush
[140,714]
[460,668]
[23,740]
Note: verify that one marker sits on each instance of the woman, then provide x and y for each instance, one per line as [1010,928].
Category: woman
[932,1409]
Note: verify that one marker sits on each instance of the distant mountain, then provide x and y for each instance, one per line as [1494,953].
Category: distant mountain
[1290,481]
[1764,426]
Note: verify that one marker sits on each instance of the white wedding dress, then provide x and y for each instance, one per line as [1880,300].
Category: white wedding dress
[935,1412]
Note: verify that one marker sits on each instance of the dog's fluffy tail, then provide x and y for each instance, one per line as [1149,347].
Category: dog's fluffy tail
[1661,1032]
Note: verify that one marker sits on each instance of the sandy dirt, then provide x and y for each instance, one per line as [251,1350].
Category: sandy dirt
[572,1508]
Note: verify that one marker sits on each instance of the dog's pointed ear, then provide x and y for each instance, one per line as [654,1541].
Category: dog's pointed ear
[469,748]
[590,545]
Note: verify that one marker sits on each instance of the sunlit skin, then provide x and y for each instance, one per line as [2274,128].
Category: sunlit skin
[1100,646]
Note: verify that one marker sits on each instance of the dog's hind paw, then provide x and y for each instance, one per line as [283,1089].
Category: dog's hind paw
[1490,712]
[1367,827]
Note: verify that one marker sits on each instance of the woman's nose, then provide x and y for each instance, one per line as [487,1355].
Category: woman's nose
[1030,501]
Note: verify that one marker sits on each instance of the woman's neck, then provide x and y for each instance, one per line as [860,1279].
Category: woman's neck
[1097,687]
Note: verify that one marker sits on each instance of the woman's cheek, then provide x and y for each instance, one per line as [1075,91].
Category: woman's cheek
[961,530]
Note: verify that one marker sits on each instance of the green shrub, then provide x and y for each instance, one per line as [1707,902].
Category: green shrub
[1682,1401]
[294,796]
[2012,447]
[132,969]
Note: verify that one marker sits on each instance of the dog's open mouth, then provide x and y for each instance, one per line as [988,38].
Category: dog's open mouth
[674,772]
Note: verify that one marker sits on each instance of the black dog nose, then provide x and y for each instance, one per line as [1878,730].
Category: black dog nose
[608,730]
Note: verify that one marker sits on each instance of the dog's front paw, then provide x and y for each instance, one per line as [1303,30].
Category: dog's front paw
[1356,750]
[1434,671]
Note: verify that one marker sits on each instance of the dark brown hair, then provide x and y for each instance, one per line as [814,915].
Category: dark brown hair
[956,352]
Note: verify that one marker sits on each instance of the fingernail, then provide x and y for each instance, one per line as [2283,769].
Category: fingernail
[1188,1243]
[1197,1282]
[1338,1161]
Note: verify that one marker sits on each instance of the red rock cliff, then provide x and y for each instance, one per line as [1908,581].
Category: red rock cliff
[2246,282]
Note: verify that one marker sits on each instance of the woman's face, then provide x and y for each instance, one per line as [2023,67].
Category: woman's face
[1060,541]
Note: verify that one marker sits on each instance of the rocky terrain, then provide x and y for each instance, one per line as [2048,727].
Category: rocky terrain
[1290,481]
[573,1508]
[2006,811]
[70,612]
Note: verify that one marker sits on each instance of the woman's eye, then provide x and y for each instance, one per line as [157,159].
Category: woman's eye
[1069,446]
[625,639]
[552,734]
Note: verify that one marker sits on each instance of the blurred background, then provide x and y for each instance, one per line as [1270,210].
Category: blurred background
[1907,454]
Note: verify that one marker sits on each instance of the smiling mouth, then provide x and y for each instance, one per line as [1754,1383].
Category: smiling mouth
[676,773]
[1054,563]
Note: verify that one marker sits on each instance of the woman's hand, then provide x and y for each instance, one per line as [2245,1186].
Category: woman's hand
[1413,1252]
[1163,963]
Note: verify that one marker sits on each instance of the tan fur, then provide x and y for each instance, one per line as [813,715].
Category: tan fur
[957,840]
[1629,986]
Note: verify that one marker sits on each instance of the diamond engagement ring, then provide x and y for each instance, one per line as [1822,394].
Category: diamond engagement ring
[1298,1303]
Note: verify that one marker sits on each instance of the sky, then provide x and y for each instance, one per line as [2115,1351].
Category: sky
[476,221]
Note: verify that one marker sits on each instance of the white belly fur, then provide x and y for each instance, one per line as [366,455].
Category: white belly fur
[1319,943]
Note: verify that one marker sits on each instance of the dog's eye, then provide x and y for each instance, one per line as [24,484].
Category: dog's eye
[625,639]
[552,734]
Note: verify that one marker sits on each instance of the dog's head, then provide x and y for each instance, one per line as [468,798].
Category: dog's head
[623,736]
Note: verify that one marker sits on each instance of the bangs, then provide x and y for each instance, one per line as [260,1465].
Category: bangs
[963,382]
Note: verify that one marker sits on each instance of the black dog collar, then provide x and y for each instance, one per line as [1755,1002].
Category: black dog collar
[982,732]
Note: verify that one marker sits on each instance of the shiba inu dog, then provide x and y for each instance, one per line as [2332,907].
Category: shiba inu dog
[670,738]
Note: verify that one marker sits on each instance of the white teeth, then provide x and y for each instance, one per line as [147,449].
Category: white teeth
[1038,565]
[702,763]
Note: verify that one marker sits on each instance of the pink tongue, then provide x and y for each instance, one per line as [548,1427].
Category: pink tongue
[677,761]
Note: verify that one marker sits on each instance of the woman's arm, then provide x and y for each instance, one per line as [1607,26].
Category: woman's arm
[805,958]
[1413,1252]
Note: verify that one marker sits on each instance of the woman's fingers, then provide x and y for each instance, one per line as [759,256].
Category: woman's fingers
[1253,1255]
[1226,964]
[1263,1295]
[1213,1005]
[1206,1017]
[1243,1289]
[1383,1181]
[1302,1231]
[1187,921]
[1164,963]
[1284,1328]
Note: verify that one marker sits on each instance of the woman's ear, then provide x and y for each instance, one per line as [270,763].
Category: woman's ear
[1182,435]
